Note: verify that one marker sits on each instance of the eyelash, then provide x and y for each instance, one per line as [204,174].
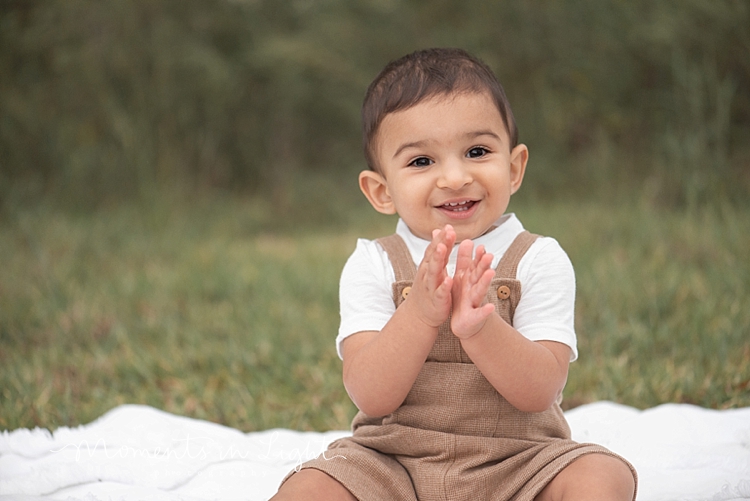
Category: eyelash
[416,162]
[484,151]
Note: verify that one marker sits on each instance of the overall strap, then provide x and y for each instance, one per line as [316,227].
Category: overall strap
[508,265]
[404,268]
[398,253]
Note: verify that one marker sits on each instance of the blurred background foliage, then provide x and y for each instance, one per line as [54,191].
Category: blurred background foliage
[178,194]
[103,101]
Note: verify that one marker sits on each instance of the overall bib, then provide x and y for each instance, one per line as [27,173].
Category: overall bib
[454,437]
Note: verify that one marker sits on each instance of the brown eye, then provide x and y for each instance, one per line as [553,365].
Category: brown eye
[477,152]
[421,162]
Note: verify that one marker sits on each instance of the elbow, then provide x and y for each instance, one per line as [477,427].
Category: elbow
[370,404]
[373,410]
[533,407]
[536,403]
[372,407]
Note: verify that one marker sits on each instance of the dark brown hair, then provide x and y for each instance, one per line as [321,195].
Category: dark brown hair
[423,74]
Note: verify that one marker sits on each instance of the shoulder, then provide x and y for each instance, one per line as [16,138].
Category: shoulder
[545,256]
[365,297]
[546,311]
[543,253]
[368,261]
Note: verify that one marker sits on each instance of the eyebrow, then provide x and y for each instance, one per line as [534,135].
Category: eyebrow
[469,135]
[479,133]
[415,144]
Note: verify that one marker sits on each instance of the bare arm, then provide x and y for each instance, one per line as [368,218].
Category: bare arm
[530,375]
[381,367]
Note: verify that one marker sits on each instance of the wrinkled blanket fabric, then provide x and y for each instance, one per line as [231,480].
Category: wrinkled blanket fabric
[681,452]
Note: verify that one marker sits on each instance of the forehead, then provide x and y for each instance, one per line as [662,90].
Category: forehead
[441,118]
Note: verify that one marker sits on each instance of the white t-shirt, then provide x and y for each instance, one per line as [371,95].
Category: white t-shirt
[544,313]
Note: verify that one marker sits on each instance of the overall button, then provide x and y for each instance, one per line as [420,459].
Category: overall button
[405,292]
[503,292]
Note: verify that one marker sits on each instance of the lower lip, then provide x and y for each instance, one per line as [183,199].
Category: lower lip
[460,214]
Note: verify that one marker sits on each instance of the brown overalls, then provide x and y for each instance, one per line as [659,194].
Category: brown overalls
[454,437]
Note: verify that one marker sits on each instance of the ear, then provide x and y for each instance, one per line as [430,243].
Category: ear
[519,156]
[375,188]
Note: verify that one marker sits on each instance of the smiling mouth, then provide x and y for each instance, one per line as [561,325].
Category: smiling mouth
[458,206]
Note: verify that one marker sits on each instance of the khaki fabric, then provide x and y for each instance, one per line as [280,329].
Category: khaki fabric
[454,437]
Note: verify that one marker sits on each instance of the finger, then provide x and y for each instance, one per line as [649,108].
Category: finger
[429,252]
[463,259]
[434,266]
[483,284]
[450,234]
[443,234]
[471,320]
[478,254]
[443,291]
[483,312]
[439,258]
[475,271]
[449,239]
[474,293]
[482,262]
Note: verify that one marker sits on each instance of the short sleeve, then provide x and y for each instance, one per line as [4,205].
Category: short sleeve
[546,311]
[365,297]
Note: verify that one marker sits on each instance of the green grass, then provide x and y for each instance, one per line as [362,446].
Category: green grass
[201,308]
[663,310]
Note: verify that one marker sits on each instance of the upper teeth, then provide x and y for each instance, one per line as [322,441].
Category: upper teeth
[453,204]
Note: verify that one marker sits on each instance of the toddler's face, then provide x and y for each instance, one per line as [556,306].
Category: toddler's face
[446,160]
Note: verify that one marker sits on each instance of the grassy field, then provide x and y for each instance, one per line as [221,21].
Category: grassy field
[200,308]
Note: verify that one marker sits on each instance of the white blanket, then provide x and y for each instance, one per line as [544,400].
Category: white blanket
[681,452]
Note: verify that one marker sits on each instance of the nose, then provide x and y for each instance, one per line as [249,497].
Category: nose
[454,175]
